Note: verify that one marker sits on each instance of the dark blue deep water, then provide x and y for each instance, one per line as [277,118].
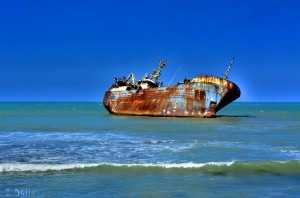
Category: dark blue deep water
[79,150]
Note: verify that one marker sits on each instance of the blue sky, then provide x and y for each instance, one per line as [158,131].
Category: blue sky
[72,50]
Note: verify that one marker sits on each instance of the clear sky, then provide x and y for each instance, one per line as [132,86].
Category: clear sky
[58,50]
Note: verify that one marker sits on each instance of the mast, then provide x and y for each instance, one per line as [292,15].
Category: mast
[156,72]
[228,69]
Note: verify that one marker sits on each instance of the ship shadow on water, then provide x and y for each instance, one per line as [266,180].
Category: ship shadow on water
[235,116]
[175,117]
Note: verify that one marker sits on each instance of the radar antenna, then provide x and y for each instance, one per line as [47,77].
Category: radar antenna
[228,69]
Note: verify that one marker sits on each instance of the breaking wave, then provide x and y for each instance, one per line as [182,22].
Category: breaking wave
[233,167]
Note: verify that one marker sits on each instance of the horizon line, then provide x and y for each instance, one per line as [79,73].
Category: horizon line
[102,101]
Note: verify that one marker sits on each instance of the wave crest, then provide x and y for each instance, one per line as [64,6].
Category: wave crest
[233,167]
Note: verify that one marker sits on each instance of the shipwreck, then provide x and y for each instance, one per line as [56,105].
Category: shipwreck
[203,96]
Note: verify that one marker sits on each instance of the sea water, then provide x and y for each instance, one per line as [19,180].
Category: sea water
[80,150]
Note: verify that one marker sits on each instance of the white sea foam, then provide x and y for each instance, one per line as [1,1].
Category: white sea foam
[160,141]
[291,153]
[18,167]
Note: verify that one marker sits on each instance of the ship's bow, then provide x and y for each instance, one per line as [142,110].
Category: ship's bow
[219,91]
[231,95]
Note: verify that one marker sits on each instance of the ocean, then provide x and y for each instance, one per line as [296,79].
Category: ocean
[79,150]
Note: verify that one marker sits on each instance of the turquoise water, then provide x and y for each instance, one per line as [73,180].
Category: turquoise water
[79,150]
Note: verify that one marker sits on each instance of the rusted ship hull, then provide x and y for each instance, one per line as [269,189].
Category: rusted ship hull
[201,97]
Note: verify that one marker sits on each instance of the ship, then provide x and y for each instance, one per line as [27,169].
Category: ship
[203,96]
